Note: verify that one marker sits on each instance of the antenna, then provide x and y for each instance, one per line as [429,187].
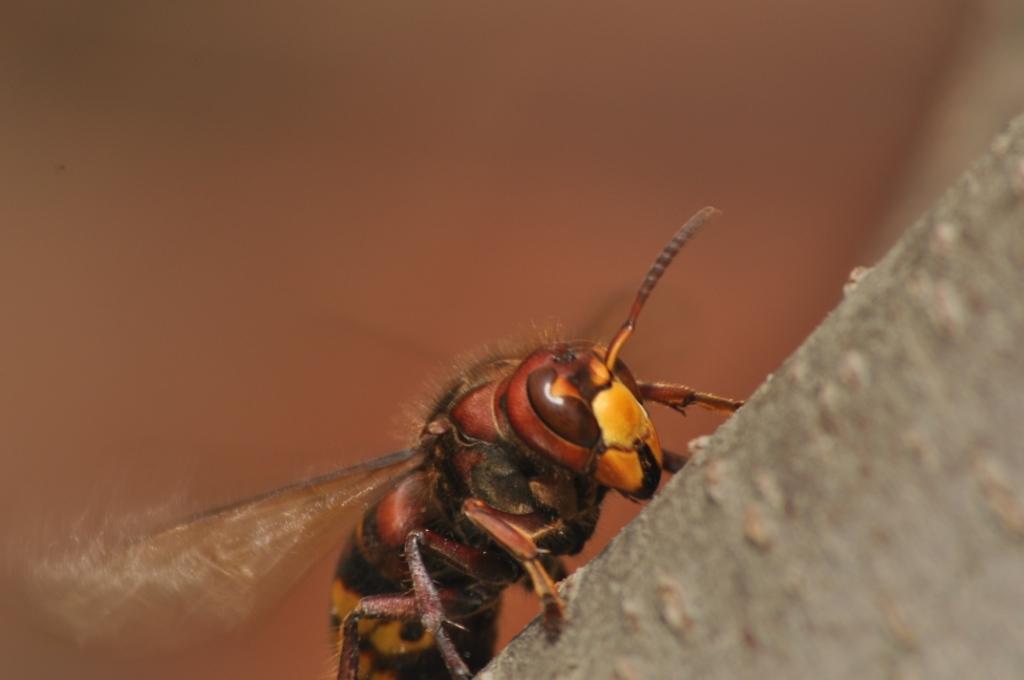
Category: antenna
[653,275]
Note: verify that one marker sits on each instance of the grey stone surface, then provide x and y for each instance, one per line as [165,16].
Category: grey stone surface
[863,515]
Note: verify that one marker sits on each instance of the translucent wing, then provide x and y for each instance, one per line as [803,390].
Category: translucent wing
[213,571]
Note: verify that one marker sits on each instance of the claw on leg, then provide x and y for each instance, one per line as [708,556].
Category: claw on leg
[679,397]
[515,538]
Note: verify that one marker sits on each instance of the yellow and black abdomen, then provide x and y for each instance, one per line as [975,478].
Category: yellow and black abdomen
[372,564]
[387,649]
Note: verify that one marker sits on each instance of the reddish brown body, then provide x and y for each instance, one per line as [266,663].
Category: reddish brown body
[518,454]
[506,475]
[473,454]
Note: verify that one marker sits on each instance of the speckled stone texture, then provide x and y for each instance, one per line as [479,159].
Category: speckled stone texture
[863,515]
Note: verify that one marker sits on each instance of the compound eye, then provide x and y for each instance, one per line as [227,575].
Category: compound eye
[561,410]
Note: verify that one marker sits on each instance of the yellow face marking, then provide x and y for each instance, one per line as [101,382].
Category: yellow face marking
[620,470]
[625,426]
[620,416]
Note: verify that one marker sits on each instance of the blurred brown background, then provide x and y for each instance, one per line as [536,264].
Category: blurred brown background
[235,238]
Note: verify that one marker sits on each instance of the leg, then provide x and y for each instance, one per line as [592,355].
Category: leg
[402,607]
[428,604]
[482,565]
[515,538]
[431,608]
[397,608]
[679,397]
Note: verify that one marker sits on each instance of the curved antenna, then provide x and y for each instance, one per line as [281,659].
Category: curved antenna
[653,275]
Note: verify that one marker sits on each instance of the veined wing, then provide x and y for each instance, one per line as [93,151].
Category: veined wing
[211,572]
